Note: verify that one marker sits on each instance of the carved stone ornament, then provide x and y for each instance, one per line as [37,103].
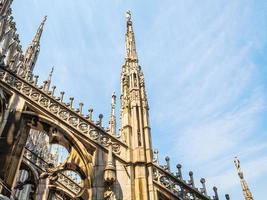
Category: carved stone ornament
[109,195]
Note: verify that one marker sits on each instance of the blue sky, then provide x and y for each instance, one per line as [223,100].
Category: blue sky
[205,68]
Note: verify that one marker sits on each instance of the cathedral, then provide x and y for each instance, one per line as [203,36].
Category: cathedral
[50,150]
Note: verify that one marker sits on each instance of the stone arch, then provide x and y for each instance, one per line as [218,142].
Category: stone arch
[80,157]
[28,183]
[27,166]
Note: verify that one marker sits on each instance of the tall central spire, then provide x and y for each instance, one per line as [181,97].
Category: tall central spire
[246,192]
[131,54]
[134,107]
[135,130]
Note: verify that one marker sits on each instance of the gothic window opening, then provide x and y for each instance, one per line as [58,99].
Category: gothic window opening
[51,160]
[41,152]
[24,189]
[59,153]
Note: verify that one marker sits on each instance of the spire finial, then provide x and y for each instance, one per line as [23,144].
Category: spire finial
[51,72]
[128,15]
[246,192]
[131,54]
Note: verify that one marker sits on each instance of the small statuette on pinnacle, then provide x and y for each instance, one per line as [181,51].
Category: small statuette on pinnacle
[128,15]
[100,119]
[178,166]
[237,163]
[167,158]
[203,189]
[179,173]
[90,113]
[36,80]
[45,85]
[53,90]
[52,70]
[167,167]
[81,107]
[71,101]
[216,197]
[62,96]
[191,181]
[113,101]
[155,156]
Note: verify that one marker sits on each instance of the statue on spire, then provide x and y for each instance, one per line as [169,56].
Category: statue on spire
[128,15]
[246,192]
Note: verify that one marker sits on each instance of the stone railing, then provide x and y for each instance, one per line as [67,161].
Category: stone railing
[56,108]
[180,188]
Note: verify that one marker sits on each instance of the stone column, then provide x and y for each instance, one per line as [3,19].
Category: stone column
[13,138]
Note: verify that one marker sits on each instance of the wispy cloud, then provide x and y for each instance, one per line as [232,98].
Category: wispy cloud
[214,105]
